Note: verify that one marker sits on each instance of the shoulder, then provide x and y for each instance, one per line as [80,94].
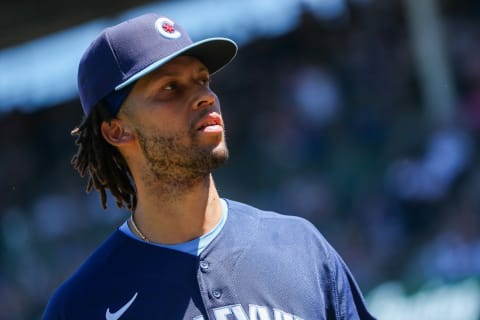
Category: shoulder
[292,238]
[282,226]
[78,287]
[242,210]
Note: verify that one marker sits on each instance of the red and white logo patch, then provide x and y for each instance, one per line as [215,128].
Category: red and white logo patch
[166,28]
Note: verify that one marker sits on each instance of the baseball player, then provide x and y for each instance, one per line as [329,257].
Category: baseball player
[152,134]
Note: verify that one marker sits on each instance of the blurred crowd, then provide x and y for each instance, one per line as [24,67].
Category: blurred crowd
[325,122]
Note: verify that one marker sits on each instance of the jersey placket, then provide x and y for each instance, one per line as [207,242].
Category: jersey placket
[215,291]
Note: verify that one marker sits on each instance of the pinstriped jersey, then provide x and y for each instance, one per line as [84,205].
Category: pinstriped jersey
[261,266]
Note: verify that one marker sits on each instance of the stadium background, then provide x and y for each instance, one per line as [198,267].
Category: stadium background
[362,116]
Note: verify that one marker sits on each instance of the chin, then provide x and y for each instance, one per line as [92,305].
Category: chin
[219,155]
[221,152]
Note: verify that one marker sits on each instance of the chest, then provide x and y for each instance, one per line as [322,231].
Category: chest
[261,284]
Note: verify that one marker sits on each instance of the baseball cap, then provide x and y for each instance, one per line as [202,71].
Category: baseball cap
[122,54]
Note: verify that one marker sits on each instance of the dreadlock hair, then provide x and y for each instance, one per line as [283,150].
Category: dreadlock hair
[106,167]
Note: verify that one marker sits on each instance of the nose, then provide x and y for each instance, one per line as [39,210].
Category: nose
[206,98]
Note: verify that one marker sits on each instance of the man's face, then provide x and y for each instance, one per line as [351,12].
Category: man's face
[176,122]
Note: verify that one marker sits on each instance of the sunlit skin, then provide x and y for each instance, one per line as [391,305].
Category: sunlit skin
[171,133]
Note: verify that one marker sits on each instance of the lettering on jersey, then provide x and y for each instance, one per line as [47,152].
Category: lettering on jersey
[237,312]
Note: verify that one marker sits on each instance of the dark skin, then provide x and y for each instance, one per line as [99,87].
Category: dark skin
[171,133]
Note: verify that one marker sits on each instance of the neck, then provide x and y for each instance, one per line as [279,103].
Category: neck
[166,215]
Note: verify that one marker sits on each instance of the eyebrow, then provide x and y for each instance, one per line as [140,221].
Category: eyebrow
[172,73]
[166,73]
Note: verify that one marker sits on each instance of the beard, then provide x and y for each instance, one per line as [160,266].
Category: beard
[177,165]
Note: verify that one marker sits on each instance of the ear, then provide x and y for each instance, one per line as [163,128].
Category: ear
[116,132]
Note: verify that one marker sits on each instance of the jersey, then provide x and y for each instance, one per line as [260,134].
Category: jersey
[261,266]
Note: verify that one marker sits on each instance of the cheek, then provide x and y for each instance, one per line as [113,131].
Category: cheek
[167,127]
[168,119]
[173,115]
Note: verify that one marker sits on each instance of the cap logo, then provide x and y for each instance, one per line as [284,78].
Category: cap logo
[166,28]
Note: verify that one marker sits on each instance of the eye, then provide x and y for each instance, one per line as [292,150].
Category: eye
[170,86]
[204,81]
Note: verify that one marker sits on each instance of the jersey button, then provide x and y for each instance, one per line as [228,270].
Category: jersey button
[204,265]
[217,293]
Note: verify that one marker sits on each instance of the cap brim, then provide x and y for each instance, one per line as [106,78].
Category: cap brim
[214,53]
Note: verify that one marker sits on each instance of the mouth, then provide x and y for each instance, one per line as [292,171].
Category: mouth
[211,123]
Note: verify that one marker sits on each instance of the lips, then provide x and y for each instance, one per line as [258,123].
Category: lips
[212,120]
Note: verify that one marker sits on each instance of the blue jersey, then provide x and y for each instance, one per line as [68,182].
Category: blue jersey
[261,266]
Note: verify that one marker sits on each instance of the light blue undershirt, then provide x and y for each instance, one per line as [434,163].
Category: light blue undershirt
[193,247]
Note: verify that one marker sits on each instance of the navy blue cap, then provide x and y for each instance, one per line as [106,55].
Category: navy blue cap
[122,54]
